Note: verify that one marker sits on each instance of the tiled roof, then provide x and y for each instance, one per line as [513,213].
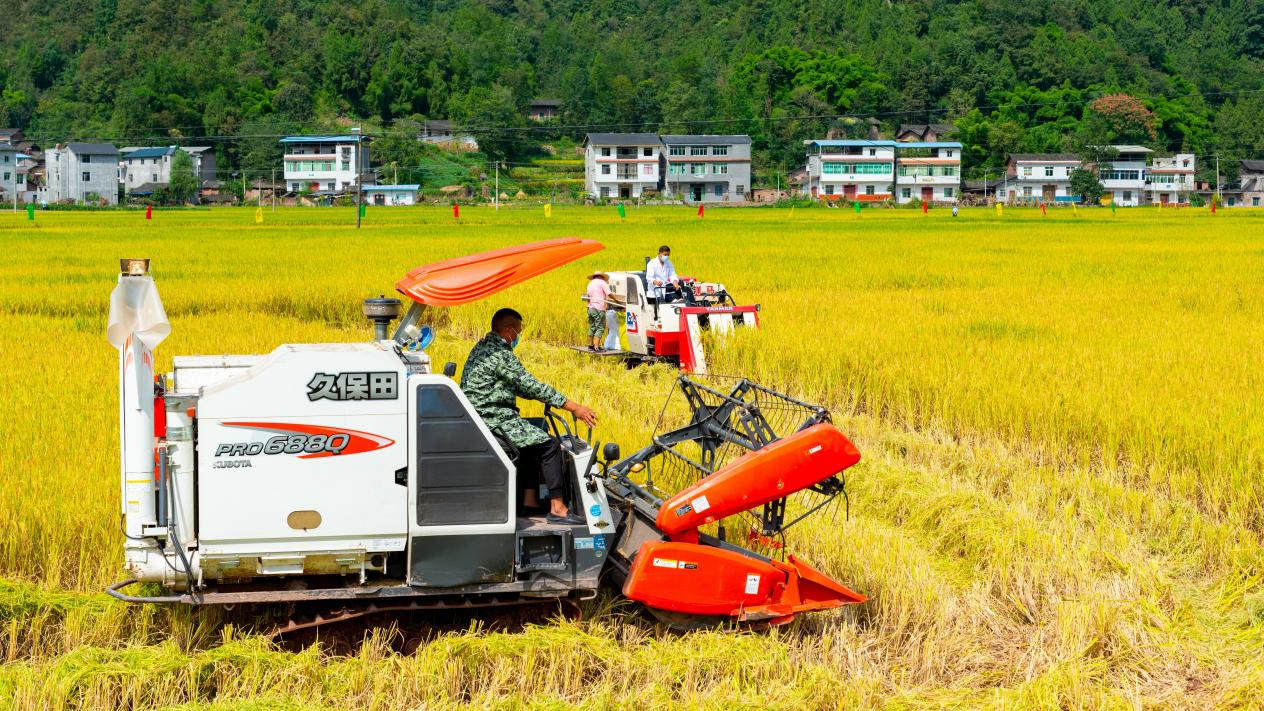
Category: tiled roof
[623,139]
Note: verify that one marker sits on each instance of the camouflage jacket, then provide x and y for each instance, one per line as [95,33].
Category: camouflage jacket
[494,379]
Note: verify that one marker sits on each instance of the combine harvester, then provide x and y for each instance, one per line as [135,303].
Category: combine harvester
[670,329]
[350,479]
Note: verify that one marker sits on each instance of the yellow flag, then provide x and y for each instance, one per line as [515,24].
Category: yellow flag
[1074,211]
[999,209]
[792,210]
[258,215]
[548,210]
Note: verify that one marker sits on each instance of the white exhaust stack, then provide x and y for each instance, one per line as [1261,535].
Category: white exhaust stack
[137,325]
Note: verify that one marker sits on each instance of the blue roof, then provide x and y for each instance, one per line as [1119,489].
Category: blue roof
[388,188]
[23,155]
[854,143]
[928,144]
[149,152]
[320,139]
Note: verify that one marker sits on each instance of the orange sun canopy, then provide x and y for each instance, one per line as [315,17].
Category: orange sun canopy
[477,276]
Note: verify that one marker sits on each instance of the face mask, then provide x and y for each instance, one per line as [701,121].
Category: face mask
[514,343]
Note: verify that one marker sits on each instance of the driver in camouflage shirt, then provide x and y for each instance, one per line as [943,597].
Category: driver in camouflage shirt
[493,380]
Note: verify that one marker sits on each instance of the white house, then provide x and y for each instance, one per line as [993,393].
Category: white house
[82,173]
[391,194]
[621,165]
[1171,179]
[1038,177]
[1124,179]
[929,171]
[707,168]
[324,164]
[145,166]
[851,170]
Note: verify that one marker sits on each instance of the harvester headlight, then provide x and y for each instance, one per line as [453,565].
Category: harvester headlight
[134,267]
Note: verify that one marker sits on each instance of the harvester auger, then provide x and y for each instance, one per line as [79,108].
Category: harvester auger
[351,478]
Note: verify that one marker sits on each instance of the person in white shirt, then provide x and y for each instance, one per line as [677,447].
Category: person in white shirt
[659,273]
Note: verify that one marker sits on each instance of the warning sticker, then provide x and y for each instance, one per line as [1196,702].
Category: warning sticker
[815,449]
[700,504]
[686,565]
[665,563]
[583,543]
[752,584]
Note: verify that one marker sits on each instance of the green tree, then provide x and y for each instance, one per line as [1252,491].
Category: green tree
[1085,184]
[492,116]
[184,182]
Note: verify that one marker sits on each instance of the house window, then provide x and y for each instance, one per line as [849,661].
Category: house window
[605,170]
[87,177]
[1127,195]
[153,177]
[1026,171]
[873,151]
[741,190]
[648,152]
[677,150]
[1027,191]
[948,192]
[1255,202]
[720,168]
[949,154]
[906,192]
[697,168]
[6,177]
[697,150]
[648,169]
[1048,171]
[676,169]
[719,190]
[329,185]
[829,189]
[720,151]
[605,192]
[85,159]
[869,190]
[22,180]
[605,152]
[6,157]
[1000,193]
[294,187]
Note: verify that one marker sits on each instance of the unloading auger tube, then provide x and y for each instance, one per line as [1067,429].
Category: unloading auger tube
[353,478]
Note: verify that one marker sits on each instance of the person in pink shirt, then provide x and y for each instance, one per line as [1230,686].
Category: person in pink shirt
[598,294]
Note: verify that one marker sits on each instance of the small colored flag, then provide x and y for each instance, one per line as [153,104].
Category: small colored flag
[149,212]
[1043,211]
[622,213]
[548,210]
[1074,211]
[1112,207]
[1213,206]
[456,211]
[701,208]
[999,209]
[30,211]
[792,211]
[857,204]
[924,207]
[363,206]
[258,215]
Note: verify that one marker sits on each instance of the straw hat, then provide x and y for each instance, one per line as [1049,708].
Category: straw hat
[603,275]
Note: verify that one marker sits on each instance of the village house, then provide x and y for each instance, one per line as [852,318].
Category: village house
[11,182]
[1251,182]
[1170,179]
[706,168]
[444,134]
[1038,177]
[82,173]
[391,194]
[326,165]
[1124,178]
[142,171]
[541,110]
[929,171]
[621,165]
[925,132]
[850,170]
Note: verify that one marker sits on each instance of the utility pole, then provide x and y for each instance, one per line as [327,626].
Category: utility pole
[274,189]
[359,189]
[496,197]
[1217,198]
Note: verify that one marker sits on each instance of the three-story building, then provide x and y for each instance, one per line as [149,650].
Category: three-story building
[325,164]
[1170,179]
[82,173]
[851,170]
[1124,178]
[1038,177]
[929,171]
[621,165]
[706,168]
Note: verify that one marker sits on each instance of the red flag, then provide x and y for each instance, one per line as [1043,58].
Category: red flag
[924,208]
[1042,208]
[1213,207]
[456,211]
[700,209]
[149,212]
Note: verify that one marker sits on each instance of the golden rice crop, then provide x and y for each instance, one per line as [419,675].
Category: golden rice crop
[1059,504]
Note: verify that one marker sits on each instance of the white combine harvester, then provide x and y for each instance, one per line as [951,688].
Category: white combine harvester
[670,329]
[350,476]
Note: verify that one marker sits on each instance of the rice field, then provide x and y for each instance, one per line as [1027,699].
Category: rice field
[1059,505]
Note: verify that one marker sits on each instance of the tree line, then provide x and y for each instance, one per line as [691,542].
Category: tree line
[1039,77]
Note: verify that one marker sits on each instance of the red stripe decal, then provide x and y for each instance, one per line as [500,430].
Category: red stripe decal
[360,441]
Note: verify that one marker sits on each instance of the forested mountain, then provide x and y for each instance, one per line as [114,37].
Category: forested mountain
[1013,76]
